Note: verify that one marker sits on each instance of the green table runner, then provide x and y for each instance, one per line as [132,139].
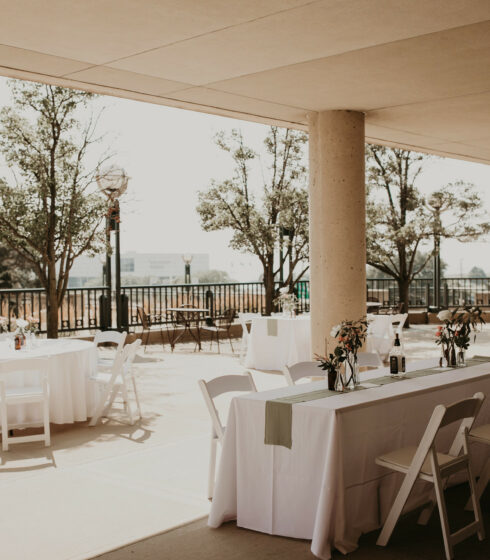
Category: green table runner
[279,412]
[271,327]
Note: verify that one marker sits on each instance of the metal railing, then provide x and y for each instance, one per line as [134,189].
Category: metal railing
[79,311]
[81,308]
[244,297]
[454,292]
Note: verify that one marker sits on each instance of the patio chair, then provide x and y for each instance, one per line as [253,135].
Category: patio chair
[425,463]
[109,337]
[12,395]
[148,326]
[117,382]
[481,434]
[221,325]
[210,390]
[245,320]
[300,371]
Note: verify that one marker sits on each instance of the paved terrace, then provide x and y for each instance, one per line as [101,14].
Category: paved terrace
[72,499]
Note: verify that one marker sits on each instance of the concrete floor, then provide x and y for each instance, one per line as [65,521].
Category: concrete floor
[409,541]
[97,489]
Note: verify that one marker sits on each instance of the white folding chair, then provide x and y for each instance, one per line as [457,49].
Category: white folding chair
[481,434]
[425,463]
[210,390]
[398,322]
[116,382]
[369,359]
[300,370]
[14,394]
[245,322]
[109,337]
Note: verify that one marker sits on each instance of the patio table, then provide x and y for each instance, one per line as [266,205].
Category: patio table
[69,364]
[327,487]
[277,341]
[190,317]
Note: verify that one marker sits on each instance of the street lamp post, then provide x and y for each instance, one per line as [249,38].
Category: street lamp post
[113,182]
[437,271]
[103,262]
[435,205]
[289,234]
[187,271]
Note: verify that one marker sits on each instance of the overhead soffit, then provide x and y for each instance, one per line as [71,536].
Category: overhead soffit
[418,69]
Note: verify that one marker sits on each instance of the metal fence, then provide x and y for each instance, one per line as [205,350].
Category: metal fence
[454,292]
[81,308]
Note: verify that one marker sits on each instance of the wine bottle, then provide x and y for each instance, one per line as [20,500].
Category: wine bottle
[397,358]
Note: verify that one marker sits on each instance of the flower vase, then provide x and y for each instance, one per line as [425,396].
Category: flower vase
[340,381]
[351,372]
[460,358]
[449,354]
[332,379]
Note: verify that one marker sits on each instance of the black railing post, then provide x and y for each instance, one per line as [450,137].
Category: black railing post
[210,301]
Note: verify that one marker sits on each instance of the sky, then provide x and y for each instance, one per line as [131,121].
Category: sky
[170,155]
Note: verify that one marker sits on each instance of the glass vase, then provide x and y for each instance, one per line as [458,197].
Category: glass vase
[461,357]
[449,355]
[340,381]
[352,378]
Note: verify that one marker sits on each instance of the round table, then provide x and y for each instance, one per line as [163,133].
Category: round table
[69,363]
[278,341]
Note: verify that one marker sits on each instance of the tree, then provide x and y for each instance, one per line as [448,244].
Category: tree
[428,270]
[261,221]
[15,272]
[401,222]
[213,277]
[477,272]
[53,214]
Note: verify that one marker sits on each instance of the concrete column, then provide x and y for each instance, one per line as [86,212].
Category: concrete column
[337,222]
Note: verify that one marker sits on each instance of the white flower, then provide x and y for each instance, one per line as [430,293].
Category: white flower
[284,290]
[21,323]
[334,331]
[444,315]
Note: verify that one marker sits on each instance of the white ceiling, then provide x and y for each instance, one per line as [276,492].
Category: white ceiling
[419,69]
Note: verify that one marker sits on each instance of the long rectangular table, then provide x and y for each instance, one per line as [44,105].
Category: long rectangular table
[327,487]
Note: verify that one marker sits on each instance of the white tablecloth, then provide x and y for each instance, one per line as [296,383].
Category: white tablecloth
[327,487]
[380,335]
[290,344]
[69,364]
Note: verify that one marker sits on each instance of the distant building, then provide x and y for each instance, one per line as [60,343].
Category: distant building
[150,268]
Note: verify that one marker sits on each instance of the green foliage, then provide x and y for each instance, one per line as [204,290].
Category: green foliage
[397,219]
[254,215]
[401,222]
[477,272]
[213,277]
[15,272]
[52,214]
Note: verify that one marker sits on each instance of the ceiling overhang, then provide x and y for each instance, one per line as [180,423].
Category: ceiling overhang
[419,70]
